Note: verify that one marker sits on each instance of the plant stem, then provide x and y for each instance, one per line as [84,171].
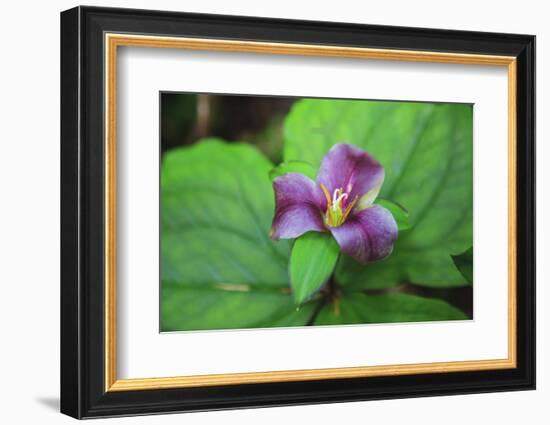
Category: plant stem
[329,292]
[316,312]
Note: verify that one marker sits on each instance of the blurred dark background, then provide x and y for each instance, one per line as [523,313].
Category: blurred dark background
[186,118]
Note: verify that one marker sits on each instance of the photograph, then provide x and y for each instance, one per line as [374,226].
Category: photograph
[287,211]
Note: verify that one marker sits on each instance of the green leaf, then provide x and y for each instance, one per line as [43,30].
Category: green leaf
[400,214]
[426,151]
[293,167]
[188,307]
[312,261]
[465,264]
[219,268]
[360,308]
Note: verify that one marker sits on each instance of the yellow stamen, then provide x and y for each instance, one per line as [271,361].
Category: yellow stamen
[334,216]
[349,208]
[327,195]
[329,204]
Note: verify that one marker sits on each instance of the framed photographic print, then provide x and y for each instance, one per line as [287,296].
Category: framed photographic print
[262,212]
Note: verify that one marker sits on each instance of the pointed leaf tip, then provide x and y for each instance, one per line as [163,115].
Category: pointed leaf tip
[312,261]
[465,264]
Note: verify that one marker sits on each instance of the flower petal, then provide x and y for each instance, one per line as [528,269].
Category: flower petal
[299,206]
[367,235]
[368,198]
[346,166]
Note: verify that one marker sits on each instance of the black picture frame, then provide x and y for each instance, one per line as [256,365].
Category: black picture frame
[83,392]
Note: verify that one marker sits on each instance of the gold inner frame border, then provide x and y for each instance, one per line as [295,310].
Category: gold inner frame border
[113,40]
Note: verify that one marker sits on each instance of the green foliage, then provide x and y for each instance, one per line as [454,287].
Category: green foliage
[312,261]
[228,306]
[216,209]
[220,269]
[387,308]
[465,264]
[300,167]
[426,150]
[400,214]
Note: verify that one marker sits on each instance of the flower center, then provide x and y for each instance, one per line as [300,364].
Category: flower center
[338,207]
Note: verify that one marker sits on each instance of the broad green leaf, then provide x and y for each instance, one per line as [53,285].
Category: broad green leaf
[400,214]
[312,261]
[359,308]
[216,210]
[188,307]
[426,151]
[293,167]
[465,264]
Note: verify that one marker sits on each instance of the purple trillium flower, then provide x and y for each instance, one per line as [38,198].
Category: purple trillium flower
[340,202]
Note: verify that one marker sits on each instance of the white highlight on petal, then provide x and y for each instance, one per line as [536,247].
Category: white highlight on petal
[368,198]
[337,197]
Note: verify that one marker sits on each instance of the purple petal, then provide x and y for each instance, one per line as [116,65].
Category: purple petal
[299,206]
[346,166]
[367,235]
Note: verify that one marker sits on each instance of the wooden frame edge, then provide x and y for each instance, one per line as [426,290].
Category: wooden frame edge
[137,384]
[110,213]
